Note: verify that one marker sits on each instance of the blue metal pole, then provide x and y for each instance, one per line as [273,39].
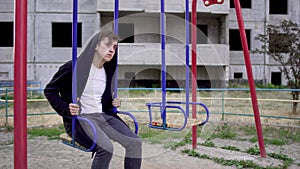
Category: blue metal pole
[116,17]
[116,31]
[187,55]
[74,50]
[163,62]
[74,60]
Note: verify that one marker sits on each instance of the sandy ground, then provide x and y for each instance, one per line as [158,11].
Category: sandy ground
[52,154]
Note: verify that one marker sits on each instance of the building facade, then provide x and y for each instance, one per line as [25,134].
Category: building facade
[219,53]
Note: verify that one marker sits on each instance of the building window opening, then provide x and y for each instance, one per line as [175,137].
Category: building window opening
[62,35]
[7,34]
[243,3]
[278,7]
[235,43]
[276,78]
[238,75]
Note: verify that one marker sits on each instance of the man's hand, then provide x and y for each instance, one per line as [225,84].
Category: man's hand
[116,102]
[74,109]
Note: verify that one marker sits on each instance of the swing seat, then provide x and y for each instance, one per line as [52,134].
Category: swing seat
[190,123]
[66,139]
[164,125]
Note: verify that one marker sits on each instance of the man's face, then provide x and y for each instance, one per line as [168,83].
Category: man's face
[106,49]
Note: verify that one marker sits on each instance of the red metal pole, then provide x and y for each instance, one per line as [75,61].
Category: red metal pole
[20,71]
[194,70]
[250,78]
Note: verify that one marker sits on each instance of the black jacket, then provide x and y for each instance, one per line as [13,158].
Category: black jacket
[59,90]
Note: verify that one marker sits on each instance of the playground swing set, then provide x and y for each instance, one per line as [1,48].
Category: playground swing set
[20,133]
[164,105]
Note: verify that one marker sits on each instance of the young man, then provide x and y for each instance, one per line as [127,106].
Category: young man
[95,68]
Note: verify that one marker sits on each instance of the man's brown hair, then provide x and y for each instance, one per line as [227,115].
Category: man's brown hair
[108,34]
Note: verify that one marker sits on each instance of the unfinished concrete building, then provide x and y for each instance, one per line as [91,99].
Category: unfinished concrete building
[219,60]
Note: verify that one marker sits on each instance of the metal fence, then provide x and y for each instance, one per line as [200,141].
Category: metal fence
[225,104]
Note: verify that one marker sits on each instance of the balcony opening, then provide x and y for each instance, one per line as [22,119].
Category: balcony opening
[126,32]
[151,78]
[202,33]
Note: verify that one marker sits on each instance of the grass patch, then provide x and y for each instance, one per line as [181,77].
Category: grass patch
[253,139]
[222,161]
[274,141]
[231,148]
[286,135]
[272,135]
[248,130]
[3,143]
[7,127]
[157,136]
[51,133]
[187,140]
[224,132]
[253,151]
[287,161]
[208,144]
[147,132]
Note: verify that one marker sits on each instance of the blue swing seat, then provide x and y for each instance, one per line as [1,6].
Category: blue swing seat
[67,140]
[169,126]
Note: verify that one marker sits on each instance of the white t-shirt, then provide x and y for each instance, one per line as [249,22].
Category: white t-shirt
[93,91]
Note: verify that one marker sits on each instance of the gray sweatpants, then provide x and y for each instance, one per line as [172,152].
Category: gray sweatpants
[109,128]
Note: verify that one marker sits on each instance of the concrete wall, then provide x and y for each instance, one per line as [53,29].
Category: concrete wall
[177,6]
[43,60]
[150,54]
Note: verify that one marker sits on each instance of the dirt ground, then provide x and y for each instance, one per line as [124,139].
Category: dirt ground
[44,154]
[52,154]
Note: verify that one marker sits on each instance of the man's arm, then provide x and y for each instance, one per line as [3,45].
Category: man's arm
[58,92]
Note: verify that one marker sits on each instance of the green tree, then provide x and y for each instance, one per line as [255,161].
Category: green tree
[282,43]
